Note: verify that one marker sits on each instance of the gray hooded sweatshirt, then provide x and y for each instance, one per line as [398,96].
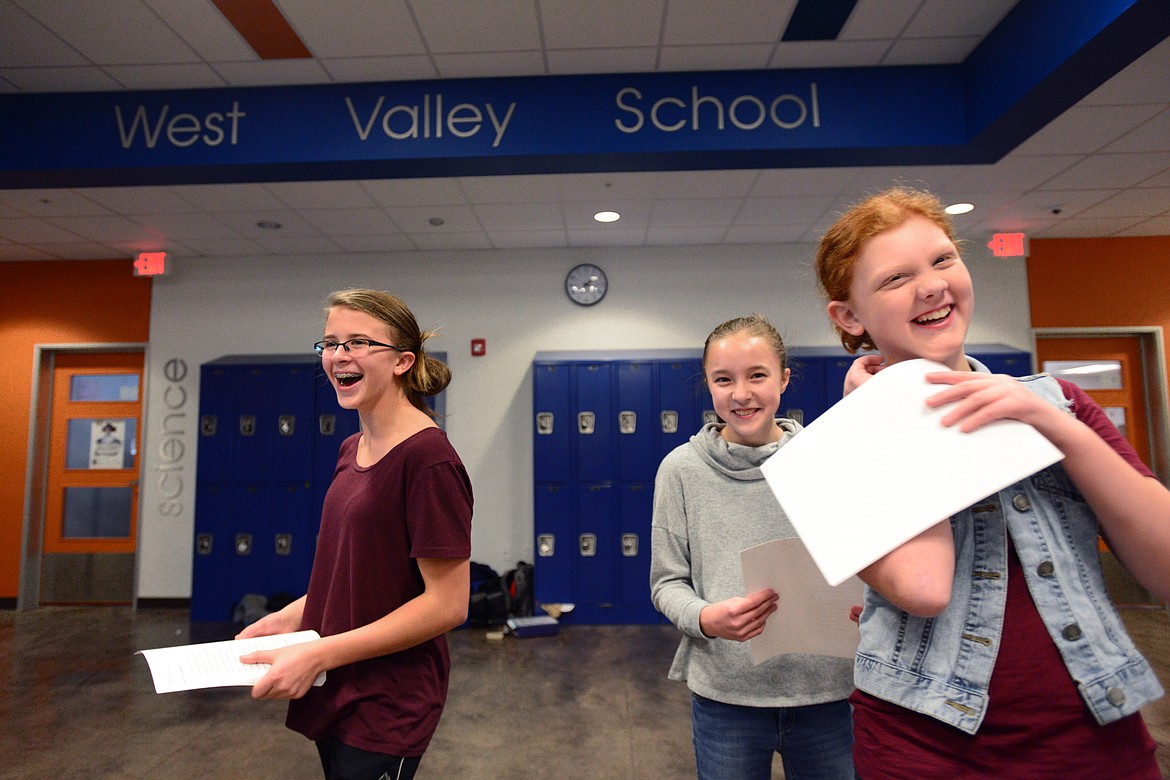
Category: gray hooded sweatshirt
[710,503]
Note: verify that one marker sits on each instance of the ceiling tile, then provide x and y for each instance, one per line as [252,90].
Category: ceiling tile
[27,43]
[118,39]
[451,26]
[601,24]
[456,66]
[696,22]
[354,28]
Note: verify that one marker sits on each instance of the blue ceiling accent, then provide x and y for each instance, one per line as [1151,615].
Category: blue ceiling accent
[1044,57]
[818,20]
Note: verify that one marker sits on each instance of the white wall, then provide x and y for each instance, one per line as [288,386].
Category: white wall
[658,298]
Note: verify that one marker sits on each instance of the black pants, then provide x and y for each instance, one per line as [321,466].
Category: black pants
[342,762]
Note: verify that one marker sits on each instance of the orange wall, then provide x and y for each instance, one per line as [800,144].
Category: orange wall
[52,303]
[1096,282]
[1081,282]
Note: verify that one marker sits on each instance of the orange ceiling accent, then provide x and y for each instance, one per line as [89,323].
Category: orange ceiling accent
[264,28]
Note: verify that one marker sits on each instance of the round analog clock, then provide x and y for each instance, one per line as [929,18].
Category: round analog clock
[586,284]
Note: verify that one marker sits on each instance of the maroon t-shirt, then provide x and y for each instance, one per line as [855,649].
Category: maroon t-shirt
[413,503]
[1037,724]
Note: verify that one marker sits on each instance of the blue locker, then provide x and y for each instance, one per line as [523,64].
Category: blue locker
[1002,359]
[210,596]
[251,538]
[637,442]
[291,539]
[290,420]
[556,545]
[803,400]
[595,542]
[253,432]
[636,512]
[680,402]
[554,430]
[216,426]
[596,423]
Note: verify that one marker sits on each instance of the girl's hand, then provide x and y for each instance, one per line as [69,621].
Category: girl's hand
[293,671]
[855,613]
[980,399]
[738,619]
[273,623]
[861,371]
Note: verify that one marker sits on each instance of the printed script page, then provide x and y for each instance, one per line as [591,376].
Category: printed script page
[216,664]
[879,468]
[811,616]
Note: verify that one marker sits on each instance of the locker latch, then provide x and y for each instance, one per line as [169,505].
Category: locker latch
[247,424]
[585,422]
[710,416]
[326,424]
[283,544]
[544,423]
[588,545]
[795,414]
[546,545]
[207,424]
[630,545]
[669,421]
[243,544]
[627,422]
[287,424]
[203,543]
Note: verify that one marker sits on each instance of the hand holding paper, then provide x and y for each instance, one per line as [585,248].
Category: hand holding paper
[879,468]
[216,664]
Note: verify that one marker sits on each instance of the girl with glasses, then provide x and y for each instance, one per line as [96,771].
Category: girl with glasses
[391,573]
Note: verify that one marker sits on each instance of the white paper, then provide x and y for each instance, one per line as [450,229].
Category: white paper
[216,664]
[812,616]
[878,468]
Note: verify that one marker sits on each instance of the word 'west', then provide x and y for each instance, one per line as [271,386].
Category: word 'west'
[671,114]
[429,119]
[181,129]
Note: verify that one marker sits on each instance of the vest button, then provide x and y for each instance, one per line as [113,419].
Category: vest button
[1046,569]
[1071,632]
[1115,696]
[1022,503]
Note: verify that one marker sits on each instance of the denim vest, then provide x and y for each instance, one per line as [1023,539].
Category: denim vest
[941,666]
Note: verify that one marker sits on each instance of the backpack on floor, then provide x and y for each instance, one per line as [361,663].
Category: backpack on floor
[518,587]
[487,603]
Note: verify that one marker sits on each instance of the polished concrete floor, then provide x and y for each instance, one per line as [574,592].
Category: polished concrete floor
[590,702]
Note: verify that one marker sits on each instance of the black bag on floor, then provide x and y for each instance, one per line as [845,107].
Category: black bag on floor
[487,603]
[518,586]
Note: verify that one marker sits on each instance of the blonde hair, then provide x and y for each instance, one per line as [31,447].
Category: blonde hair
[843,243]
[428,375]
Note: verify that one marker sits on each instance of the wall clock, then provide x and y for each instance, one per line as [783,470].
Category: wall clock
[586,284]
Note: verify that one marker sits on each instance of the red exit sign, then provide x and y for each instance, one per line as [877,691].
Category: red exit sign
[150,264]
[1008,245]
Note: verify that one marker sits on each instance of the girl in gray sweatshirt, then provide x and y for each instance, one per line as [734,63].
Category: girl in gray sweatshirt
[710,503]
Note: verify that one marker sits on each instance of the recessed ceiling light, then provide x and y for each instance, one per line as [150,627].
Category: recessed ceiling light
[607,216]
[268,224]
[959,208]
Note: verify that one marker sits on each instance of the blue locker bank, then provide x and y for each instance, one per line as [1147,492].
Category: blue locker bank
[602,422]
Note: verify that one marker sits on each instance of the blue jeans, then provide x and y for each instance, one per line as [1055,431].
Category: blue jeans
[733,742]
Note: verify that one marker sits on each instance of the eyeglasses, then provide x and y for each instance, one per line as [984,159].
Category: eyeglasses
[354,347]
